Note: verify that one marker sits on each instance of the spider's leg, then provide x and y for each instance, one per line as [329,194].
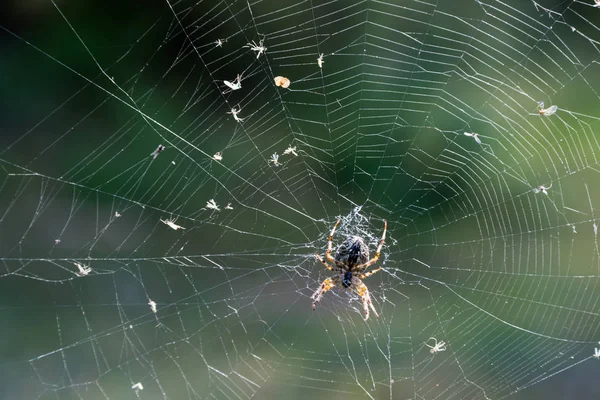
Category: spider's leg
[323,262]
[363,292]
[368,274]
[374,259]
[330,244]
[325,286]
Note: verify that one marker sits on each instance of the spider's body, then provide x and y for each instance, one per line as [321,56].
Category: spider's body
[351,260]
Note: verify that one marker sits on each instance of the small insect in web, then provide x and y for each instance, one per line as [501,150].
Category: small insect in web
[474,136]
[596,353]
[320,61]
[158,150]
[235,111]
[236,84]
[282,81]
[351,260]
[218,156]
[152,305]
[437,347]
[171,224]
[542,189]
[275,160]
[228,206]
[117,214]
[219,42]
[259,48]
[546,111]
[597,3]
[83,269]
[290,150]
[138,386]
[212,205]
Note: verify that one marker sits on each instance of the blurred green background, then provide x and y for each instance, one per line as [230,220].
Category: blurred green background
[507,277]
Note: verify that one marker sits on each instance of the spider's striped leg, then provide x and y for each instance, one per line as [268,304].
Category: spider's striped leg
[330,244]
[368,274]
[329,267]
[377,253]
[363,292]
[325,286]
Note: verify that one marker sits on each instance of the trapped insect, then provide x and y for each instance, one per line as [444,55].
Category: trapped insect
[212,204]
[282,81]
[236,84]
[351,260]
[542,189]
[138,386]
[259,48]
[437,347]
[152,305]
[474,136]
[171,224]
[219,42]
[546,111]
[274,159]
[320,61]
[158,150]
[83,269]
[596,353]
[228,206]
[235,111]
[290,150]
[218,156]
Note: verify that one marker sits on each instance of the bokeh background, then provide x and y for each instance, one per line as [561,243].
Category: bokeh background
[475,256]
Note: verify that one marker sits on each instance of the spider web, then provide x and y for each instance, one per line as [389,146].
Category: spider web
[492,243]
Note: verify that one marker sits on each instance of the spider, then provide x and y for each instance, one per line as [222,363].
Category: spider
[437,347]
[351,260]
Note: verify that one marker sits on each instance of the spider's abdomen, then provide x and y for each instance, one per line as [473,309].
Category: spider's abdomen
[347,281]
[352,251]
